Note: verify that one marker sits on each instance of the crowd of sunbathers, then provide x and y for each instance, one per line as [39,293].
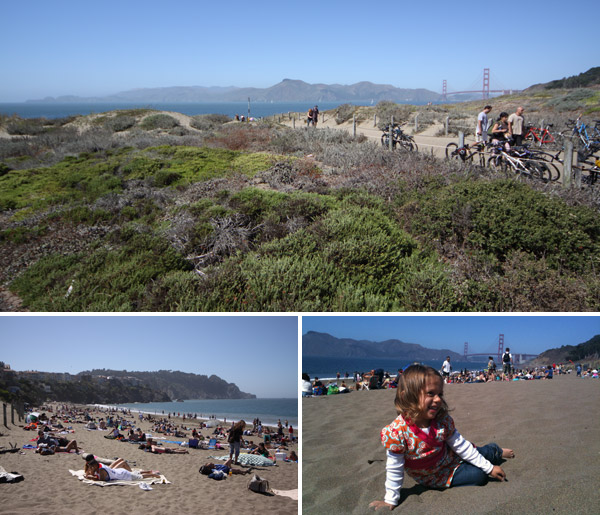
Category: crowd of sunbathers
[379,379]
[119,428]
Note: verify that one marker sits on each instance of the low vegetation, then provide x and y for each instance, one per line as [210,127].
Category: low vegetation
[141,212]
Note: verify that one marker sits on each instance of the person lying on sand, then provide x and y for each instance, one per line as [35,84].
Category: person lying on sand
[118,470]
[48,444]
[226,467]
[423,441]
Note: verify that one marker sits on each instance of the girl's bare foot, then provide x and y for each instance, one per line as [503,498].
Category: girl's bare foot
[508,453]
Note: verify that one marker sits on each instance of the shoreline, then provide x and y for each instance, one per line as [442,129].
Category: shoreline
[181,419]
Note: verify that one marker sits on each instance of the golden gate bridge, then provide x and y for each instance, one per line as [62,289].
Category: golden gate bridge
[485,90]
[517,357]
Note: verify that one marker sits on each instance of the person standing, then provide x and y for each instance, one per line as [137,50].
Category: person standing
[315,116]
[507,360]
[515,126]
[309,117]
[481,133]
[446,369]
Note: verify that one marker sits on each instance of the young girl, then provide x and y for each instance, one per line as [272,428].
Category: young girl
[423,441]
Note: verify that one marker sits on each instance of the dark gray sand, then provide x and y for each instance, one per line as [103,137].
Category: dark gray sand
[552,425]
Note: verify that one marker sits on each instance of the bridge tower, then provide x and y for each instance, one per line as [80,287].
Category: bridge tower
[486,83]
[466,349]
[500,347]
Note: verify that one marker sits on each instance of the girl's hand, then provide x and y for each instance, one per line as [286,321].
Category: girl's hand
[381,505]
[498,473]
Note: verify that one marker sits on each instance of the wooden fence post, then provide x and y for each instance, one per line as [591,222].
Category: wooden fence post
[568,163]
[416,123]
[375,120]
[447,123]
[4,412]
[391,133]
[294,122]
[461,139]
[354,126]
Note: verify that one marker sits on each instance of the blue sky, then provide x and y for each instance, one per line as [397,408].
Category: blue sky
[96,48]
[257,353]
[528,334]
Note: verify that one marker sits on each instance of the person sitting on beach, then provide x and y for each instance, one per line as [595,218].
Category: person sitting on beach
[261,450]
[292,456]
[118,470]
[423,441]
[226,467]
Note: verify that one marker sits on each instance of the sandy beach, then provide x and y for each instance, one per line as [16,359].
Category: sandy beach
[49,488]
[552,425]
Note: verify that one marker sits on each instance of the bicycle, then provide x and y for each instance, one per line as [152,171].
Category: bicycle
[579,131]
[399,138]
[539,135]
[520,162]
[466,152]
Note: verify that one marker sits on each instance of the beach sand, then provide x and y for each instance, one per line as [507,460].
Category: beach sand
[552,425]
[49,488]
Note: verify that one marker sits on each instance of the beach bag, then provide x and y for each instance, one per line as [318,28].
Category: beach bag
[256,484]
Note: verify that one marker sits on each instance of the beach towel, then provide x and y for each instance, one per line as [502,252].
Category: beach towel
[80,474]
[249,459]
[292,494]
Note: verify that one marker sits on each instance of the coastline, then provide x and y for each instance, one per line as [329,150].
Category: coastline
[49,487]
[552,425]
[269,420]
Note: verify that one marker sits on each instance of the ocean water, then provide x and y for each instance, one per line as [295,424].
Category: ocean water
[61,110]
[267,410]
[327,368]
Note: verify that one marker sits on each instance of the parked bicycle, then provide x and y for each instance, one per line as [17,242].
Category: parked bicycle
[520,161]
[467,152]
[588,145]
[539,135]
[399,138]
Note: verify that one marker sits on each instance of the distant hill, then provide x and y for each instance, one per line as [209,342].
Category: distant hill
[583,80]
[589,350]
[287,90]
[325,345]
[180,385]
[114,386]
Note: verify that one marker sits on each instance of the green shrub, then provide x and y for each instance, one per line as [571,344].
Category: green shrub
[209,122]
[103,280]
[496,218]
[158,121]
[344,113]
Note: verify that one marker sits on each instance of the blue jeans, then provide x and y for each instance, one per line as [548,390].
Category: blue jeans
[234,447]
[470,475]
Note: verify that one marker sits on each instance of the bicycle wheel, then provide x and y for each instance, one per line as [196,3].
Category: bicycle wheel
[496,163]
[406,145]
[539,171]
[385,141]
[451,151]
[413,143]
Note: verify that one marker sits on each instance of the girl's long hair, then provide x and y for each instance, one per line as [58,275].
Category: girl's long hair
[408,394]
[240,424]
